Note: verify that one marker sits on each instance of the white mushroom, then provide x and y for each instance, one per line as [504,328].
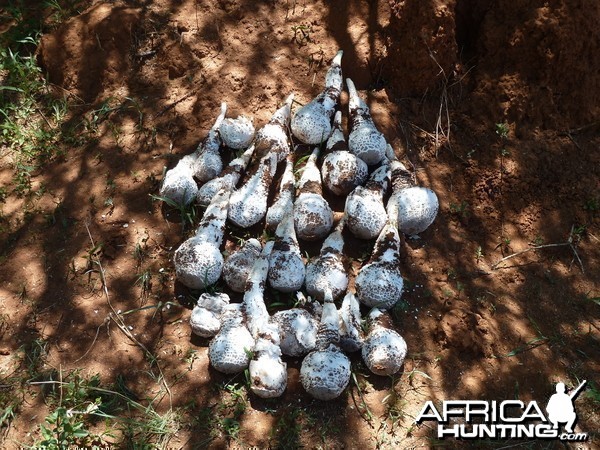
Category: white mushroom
[341,170]
[325,372]
[365,140]
[268,373]
[239,263]
[248,204]
[284,202]
[227,179]
[179,185]
[351,333]
[364,208]
[312,123]
[326,272]
[313,218]
[237,133]
[230,349]
[273,137]
[209,164]
[379,283]
[417,206]
[286,267]
[206,315]
[198,261]
[298,330]
[384,350]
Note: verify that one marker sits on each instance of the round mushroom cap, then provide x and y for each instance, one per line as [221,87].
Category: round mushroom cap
[313,218]
[342,172]
[325,373]
[237,133]
[198,264]
[268,376]
[417,208]
[178,184]
[379,285]
[384,351]
[368,144]
[325,273]
[229,351]
[365,212]
[239,263]
[311,124]
[204,323]
[286,271]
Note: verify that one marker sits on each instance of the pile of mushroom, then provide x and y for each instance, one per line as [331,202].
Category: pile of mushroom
[258,192]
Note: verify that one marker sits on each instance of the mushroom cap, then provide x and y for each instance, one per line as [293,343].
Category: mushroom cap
[206,315]
[365,213]
[313,218]
[198,264]
[286,270]
[178,184]
[268,376]
[298,330]
[229,351]
[207,166]
[237,133]
[368,144]
[342,172]
[239,263]
[312,123]
[204,323]
[379,284]
[272,137]
[326,272]
[384,351]
[417,208]
[325,373]
[215,303]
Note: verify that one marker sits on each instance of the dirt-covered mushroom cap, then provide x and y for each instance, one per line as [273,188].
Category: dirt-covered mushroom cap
[268,373]
[239,263]
[325,374]
[298,331]
[286,266]
[237,133]
[379,283]
[365,140]
[417,209]
[179,185]
[198,264]
[364,209]
[326,272]
[342,172]
[313,217]
[229,351]
[325,371]
[384,350]
[205,319]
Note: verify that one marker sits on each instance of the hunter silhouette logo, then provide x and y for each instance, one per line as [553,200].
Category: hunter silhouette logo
[560,407]
[508,419]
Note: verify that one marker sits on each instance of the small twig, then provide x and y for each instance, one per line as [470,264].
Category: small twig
[115,316]
[569,243]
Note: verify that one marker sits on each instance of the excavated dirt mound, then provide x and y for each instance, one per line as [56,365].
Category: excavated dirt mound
[532,64]
[491,104]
